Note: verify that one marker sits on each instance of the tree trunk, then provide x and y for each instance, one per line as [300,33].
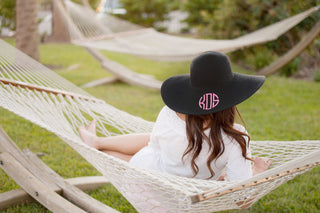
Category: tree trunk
[27,37]
[60,32]
[85,3]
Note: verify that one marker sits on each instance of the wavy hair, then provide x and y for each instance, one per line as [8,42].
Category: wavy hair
[217,122]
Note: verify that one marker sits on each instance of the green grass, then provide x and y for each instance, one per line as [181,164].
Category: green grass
[284,109]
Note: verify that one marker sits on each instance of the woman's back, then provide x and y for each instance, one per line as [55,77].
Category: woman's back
[169,142]
[207,141]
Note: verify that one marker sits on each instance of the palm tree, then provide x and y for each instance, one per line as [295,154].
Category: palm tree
[27,38]
[60,31]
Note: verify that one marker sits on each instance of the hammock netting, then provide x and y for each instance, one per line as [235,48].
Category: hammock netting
[114,34]
[41,96]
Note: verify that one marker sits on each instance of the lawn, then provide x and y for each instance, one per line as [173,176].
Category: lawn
[284,109]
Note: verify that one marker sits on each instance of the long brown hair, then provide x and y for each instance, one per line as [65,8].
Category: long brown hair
[217,122]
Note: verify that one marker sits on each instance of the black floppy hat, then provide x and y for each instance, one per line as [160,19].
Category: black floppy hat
[210,87]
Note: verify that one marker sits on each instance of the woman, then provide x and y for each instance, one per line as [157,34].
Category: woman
[195,134]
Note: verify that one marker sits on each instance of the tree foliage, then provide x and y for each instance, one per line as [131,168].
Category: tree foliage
[146,12]
[228,19]
[232,18]
[7,14]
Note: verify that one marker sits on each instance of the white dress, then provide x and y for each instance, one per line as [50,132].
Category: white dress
[169,141]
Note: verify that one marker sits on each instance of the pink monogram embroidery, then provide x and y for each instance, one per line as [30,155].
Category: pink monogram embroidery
[208,101]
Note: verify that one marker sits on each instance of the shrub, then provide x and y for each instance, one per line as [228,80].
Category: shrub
[317,76]
[254,58]
[291,68]
[8,14]
[145,12]
[228,19]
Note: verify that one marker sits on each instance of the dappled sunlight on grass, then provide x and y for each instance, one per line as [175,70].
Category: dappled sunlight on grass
[74,63]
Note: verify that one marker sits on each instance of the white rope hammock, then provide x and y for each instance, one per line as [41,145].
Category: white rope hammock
[103,34]
[39,95]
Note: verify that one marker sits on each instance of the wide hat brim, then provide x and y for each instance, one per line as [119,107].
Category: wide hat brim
[178,94]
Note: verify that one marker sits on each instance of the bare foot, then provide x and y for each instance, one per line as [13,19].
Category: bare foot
[260,164]
[92,127]
[88,138]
